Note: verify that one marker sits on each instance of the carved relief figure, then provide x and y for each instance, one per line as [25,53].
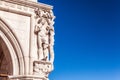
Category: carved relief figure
[45,34]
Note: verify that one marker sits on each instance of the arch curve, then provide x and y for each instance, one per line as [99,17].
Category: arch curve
[15,50]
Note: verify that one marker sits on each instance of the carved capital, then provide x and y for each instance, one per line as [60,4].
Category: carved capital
[42,68]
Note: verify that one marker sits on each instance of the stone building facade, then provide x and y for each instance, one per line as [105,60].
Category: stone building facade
[26,40]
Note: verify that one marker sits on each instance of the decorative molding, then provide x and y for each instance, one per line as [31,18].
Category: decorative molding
[22,7]
[12,7]
[26,77]
[42,68]
[29,4]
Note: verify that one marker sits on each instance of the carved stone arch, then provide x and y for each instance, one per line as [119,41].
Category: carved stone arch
[10,41]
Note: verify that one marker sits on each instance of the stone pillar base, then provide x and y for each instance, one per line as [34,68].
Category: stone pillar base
[42,68]
[27,77]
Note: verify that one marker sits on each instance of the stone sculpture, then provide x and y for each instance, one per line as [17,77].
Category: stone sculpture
[45,34]
[45,41]
[25,55]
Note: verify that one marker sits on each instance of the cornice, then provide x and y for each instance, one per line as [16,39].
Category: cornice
[29,4]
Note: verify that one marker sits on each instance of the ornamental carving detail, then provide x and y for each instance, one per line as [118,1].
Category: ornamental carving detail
[45,34]
[44,31]
[42,68]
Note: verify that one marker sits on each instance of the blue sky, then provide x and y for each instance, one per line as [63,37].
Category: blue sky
[87,39]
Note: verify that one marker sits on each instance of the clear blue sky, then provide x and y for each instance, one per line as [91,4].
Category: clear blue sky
[87,39]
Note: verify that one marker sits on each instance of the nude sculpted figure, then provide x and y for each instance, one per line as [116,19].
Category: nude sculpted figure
[45,35]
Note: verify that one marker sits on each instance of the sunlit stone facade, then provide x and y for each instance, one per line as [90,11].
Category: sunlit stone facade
[26,40]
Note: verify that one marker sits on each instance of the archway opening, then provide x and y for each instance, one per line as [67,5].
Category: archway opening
[6,67]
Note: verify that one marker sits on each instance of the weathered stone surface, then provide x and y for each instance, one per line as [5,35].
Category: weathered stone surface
[42,68]
[26,40]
